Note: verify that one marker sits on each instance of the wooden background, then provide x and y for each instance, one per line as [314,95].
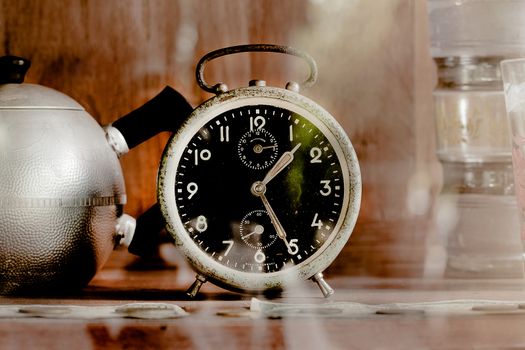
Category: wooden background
[375,76]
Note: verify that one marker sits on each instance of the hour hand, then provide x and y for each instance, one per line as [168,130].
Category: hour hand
[282,163]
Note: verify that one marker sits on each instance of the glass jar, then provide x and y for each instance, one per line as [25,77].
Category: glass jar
[477,214]
[474,147]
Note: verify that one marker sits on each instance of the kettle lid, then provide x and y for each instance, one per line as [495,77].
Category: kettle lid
[16,95]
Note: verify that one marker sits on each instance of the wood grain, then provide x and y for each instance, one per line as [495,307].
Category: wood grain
[205,326]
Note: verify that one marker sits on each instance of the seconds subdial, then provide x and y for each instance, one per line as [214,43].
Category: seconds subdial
[256,230]
[257,149]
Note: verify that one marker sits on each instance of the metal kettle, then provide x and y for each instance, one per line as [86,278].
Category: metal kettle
[62,189]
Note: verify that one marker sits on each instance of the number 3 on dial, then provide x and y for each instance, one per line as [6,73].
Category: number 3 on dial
[326,190]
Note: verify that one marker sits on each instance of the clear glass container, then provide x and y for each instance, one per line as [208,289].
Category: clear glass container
[513,75]
[469,110]
[474,147]
[476,28]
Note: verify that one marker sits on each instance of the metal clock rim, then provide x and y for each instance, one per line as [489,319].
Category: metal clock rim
[214,271]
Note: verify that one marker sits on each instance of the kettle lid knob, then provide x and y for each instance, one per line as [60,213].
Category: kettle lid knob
[13,69]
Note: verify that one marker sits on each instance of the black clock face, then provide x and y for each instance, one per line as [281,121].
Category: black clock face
[260,188]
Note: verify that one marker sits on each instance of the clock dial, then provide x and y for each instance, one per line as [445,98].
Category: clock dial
[260,188]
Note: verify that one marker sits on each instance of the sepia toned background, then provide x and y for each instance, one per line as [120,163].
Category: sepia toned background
[375,76]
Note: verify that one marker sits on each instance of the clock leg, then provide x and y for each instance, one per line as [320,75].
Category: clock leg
[325,287]
[196,286]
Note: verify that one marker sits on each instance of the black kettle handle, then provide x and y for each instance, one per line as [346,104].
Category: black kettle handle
[165,112]
[148,233]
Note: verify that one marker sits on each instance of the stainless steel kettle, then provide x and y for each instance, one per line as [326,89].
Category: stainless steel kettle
[61,185]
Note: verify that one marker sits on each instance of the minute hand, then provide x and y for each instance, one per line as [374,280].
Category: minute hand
[275,221]
[282,163]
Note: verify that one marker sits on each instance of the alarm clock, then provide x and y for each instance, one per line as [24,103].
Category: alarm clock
[260,186]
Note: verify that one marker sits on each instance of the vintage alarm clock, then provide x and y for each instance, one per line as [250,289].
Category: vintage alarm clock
[260,186]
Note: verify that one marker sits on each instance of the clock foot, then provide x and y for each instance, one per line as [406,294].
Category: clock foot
[325,287]
[196,286]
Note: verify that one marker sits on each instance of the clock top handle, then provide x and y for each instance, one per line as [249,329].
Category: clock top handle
[221,87]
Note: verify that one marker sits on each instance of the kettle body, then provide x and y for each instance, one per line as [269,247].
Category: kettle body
[61,191]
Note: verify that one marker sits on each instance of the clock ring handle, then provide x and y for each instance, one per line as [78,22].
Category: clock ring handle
[221,87]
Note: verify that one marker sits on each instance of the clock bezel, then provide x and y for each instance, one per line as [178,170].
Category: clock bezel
[256,281]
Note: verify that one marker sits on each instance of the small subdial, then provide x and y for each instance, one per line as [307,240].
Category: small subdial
[257,149]
[257,230]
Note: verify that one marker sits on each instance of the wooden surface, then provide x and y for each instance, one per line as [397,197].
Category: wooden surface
[205,328]
[375,77]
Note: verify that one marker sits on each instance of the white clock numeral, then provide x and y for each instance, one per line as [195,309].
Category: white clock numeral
[201,224]
[204,155]
[291,132]
[225,133]
[293,248]
[230,245]
[316,154]
[326,190]
[317,222]
[192,189]
[257,123]
[259,257]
